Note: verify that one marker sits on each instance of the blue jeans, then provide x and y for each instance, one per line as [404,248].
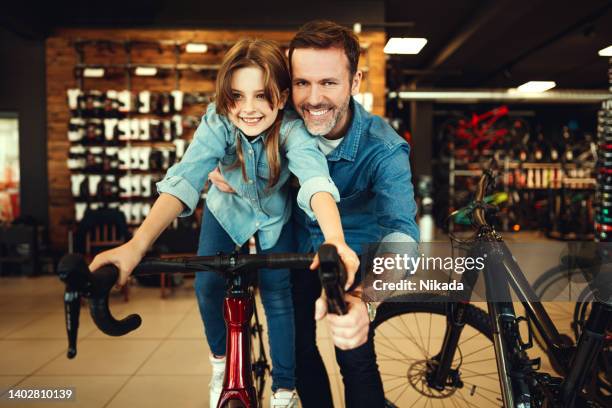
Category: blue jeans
[362,383]
[275,290]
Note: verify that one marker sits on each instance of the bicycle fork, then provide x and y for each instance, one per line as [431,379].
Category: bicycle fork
[442,374]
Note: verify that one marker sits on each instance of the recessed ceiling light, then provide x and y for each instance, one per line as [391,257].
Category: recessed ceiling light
[398,45]
[196,48]
[537,86]
[145,71]
[606,52]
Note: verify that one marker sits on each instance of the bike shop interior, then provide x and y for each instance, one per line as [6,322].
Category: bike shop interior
[99,99]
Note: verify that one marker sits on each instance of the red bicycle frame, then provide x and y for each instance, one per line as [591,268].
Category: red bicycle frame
[478,130]
[238,379]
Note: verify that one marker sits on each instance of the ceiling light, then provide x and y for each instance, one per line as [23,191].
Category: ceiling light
[536,86]
[196,48]
[605,52]
[397,45]
[93,72]
[145,71]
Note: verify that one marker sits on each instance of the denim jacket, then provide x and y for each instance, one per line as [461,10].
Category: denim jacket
[255,207]
[371,168]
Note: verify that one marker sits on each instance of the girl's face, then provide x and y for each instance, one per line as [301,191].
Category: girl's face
[251,112]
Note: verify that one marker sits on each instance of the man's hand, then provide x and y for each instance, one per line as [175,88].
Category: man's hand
[350,330]
[124,257]
[219,181]
[348,257]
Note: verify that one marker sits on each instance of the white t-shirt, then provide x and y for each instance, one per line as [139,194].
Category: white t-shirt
[326,145]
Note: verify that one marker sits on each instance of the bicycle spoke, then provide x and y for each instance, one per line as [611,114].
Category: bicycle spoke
[477,351]
[469,338]
[469,404]
[419,331]
[390,358]
[395,387]
[452,400]
[402,393]
[429,334]
[478,361]
[414,339]
[395,376]
[393,346]
[414,403]
[481,375]
[409,337]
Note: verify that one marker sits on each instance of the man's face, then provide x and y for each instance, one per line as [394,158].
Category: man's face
[322,87]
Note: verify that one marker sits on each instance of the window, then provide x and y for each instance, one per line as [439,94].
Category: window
[9,167]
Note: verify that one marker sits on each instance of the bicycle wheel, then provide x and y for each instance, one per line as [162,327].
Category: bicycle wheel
[234,404]
[421,320]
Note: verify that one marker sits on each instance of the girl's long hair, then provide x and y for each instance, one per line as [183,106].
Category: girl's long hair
[268,56]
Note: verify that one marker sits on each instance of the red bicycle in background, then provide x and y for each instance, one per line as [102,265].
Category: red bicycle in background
[471,136]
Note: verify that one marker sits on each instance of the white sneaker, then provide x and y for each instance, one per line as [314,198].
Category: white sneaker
[284,399]
[216,380]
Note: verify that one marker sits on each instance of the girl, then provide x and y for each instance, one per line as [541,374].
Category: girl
[256,145]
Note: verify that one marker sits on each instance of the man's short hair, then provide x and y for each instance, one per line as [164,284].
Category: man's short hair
[324,34]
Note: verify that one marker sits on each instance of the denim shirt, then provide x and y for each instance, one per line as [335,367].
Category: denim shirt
[255,207]
[371,168]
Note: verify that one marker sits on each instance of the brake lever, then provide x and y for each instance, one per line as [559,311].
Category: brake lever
[74,272]
[333,278]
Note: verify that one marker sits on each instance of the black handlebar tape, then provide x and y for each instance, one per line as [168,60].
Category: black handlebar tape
[72,270]
[150,266]
[222,262]
[103,280]
[274,261]
[333,278]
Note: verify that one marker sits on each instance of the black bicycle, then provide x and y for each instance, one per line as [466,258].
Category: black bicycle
[462,356]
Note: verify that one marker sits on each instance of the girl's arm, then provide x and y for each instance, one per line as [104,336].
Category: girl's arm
[126,257]
[326,211]
[318,194]
[179,193]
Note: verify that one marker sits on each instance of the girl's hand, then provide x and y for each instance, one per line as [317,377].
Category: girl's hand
[124,257]
[349,259]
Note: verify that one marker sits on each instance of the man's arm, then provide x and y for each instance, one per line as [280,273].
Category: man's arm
[394,194]
[395,211]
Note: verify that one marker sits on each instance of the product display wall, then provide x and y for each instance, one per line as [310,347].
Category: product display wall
[113,132]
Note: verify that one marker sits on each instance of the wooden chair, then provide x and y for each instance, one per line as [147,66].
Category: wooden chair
[100,238]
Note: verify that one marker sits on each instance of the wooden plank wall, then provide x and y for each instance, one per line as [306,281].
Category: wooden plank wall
[61,59]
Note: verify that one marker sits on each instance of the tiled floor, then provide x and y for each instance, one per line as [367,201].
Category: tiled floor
[165,363]
[162,364]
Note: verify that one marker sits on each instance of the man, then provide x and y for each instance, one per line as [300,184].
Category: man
[369,163]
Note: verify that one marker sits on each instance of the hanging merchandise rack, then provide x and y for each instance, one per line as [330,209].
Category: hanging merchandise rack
[603,218]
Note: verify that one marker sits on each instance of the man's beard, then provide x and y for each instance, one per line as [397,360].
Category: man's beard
[322,129]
